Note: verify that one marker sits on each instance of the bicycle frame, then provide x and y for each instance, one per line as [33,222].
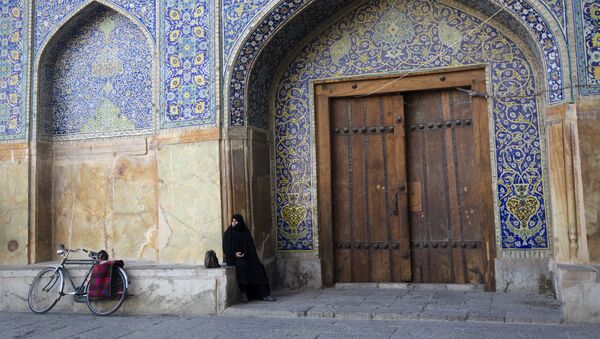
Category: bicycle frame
[66,261]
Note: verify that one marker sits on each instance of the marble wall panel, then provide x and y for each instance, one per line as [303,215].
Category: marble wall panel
[189,201]
[107,202]
[389,36]
[13,69]
[14,204]
[135,223]
[82,203]
[587,37]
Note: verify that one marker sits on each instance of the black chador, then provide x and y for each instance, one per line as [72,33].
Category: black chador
[239,251]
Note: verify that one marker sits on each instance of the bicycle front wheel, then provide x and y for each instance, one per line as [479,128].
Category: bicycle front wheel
[109,305]
[45,290]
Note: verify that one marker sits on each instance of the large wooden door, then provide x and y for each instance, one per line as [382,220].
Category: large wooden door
[450,198]
[369,190]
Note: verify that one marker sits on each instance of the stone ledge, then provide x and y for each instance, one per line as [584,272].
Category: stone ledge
[153,289]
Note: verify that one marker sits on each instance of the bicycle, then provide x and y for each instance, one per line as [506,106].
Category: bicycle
[47,287]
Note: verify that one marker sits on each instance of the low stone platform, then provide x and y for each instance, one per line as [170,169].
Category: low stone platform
[153,289]
[406,302]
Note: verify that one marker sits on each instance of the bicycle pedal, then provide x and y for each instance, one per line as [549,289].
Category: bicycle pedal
[78,298]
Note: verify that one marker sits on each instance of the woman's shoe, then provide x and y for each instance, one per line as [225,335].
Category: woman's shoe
[269,298]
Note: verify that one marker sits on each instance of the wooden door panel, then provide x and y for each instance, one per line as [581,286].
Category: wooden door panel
[342,193]
[368,168]
[446,230]
[359,209]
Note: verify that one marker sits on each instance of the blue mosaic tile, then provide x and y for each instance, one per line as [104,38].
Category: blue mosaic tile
[98,81]
[48,14]
[587,33]
[540,28]
[237,15]
[390,36]
[13,54]
[557,8]
[187,64]
[285,10]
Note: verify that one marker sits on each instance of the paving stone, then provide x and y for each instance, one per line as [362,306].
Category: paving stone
[486,315]
[438,314]
[320,312]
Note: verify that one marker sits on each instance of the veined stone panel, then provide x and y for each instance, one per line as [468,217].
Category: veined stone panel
[189,201]
[96,80]
[388,36]
[14,203]
[82,204]
[13,69]
[135,224]
[104,196]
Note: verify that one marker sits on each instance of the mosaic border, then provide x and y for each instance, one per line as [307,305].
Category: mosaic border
[14,84]
[185,69]
[587,56]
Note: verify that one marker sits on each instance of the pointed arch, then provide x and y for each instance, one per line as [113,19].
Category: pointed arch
[67,25]
[534,25]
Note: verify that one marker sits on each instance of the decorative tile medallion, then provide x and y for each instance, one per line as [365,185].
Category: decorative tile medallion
[243,68]
[48,14]
[187,64]
[13,54]
[387,36]
[587,33]
[98,80]
[237,15]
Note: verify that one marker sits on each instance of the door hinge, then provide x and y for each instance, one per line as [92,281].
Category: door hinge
[472,93]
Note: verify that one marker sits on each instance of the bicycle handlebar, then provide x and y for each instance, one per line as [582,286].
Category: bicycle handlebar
[62,250]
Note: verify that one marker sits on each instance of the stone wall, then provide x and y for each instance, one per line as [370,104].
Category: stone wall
[589,138]
[14,196]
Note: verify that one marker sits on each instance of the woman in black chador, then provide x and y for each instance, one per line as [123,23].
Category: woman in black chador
[239,251]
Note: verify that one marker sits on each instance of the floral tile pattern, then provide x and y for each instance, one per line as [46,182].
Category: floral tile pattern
[48,14]
[587,28]
[13,53]
[187,64]
[236,16]
[285,10]
[99,81]
[384,36]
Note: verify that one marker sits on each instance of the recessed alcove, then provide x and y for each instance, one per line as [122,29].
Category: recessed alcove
[94,87]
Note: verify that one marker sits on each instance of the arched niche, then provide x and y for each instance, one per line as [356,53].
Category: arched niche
[252,80]
[93,83]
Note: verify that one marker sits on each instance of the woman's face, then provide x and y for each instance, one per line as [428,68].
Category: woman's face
[234,222]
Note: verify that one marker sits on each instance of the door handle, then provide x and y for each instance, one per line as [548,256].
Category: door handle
[396,210]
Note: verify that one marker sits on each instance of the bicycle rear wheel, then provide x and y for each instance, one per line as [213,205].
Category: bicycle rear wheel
[106,306]
[45,290]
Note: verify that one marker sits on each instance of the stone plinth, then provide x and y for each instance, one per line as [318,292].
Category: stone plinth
[579,292]
[153,289]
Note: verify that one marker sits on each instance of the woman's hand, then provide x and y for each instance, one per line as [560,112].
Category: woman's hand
[239,254]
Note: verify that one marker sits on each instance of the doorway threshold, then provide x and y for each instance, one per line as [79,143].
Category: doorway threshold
[412,286]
